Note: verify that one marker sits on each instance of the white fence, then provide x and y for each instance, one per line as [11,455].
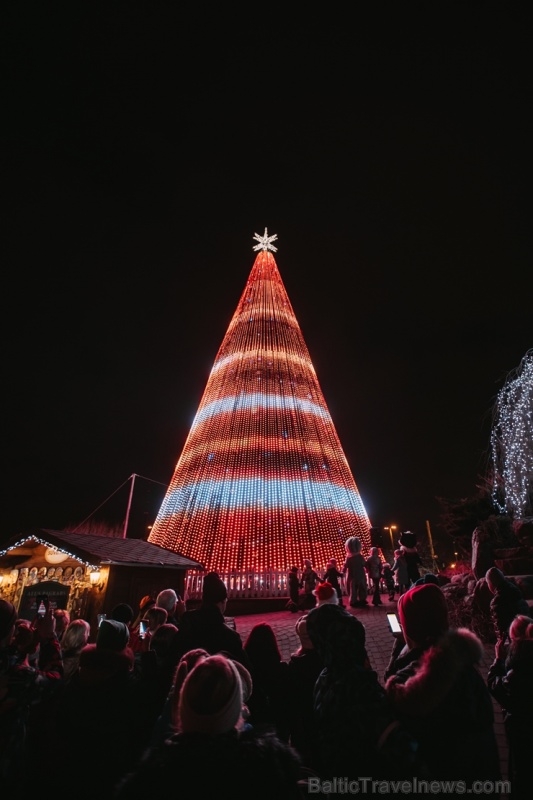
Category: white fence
[241,584]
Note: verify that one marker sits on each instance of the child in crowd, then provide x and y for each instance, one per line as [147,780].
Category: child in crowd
[388,577]
[294,590]
[333,576]
[399,567]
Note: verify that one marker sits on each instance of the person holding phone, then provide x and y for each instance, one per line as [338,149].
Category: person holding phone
[42,604]
[438,693]
[154,618]
[23,686]
[146,602]
[394,625]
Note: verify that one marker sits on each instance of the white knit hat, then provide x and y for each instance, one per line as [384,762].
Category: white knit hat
[211,697]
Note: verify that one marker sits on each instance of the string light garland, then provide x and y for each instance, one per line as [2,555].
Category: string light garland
[262,481]
[33,538]
[512,443]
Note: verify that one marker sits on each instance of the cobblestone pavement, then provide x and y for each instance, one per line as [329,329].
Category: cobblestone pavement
[379,641]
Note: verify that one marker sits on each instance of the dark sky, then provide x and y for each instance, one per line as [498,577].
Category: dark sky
[143,148]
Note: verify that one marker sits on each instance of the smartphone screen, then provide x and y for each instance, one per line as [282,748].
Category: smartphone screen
[143,628]
[42,604]
[394,624]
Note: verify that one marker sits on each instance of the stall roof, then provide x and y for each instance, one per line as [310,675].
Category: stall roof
[94,549]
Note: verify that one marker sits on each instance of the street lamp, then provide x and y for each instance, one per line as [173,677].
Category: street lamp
[390,529]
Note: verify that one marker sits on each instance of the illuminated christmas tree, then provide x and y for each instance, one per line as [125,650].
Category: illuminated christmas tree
[512,443]
[262,482]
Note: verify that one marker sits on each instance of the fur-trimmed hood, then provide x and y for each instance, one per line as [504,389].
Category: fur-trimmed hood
[423,685]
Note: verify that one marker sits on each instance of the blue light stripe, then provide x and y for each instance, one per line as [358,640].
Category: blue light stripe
[274,494]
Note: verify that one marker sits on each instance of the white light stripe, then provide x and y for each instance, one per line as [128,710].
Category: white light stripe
[268,402]
[281,360]
[240,494]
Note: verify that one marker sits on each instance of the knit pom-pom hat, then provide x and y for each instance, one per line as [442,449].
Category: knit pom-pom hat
[112,635]
[423,613]
[214,589]
[211,697]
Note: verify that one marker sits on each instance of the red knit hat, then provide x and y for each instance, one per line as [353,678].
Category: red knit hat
[325,593]
[423,613]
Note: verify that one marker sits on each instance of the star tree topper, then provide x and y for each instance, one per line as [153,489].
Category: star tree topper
[265,242]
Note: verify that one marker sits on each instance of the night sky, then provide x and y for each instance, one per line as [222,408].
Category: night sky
[143,148]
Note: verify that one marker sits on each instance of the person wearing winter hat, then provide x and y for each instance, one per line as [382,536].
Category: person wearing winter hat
[214,589]
[424,618]
[423,614]
[438,693]
[351,715]
[167,722]
[122,612]
[338,635]
[325,593]
[205,627]
[211,697]
[112,635]
[111,731]
[225,756]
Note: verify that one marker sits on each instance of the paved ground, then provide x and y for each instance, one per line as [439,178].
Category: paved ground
[379,641]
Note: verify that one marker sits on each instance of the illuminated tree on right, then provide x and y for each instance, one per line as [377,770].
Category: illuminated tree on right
[512,443]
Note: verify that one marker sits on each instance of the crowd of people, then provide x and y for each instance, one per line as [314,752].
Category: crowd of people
[359,577]
[188,700]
